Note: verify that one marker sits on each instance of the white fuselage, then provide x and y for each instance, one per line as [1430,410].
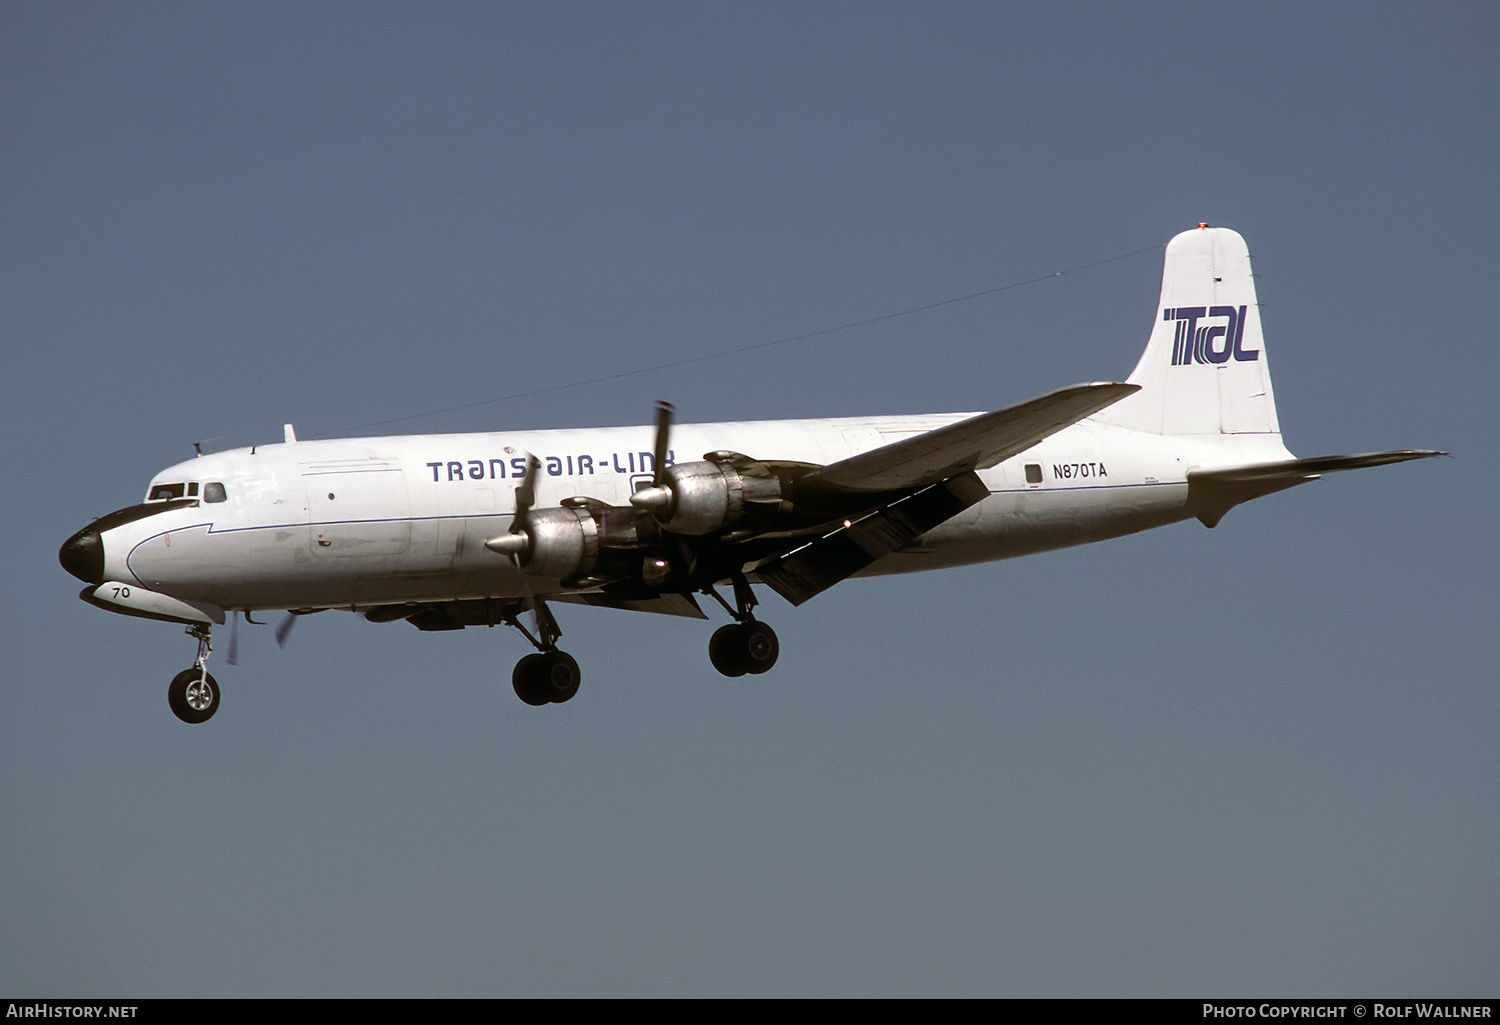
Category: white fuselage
[373,521]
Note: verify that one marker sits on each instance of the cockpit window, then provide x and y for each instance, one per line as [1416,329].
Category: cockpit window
[213,491]
[163,492]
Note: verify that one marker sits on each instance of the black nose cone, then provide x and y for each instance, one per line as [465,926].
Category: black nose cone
[83,556]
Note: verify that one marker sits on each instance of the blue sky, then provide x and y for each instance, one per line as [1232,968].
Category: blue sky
[1258,759]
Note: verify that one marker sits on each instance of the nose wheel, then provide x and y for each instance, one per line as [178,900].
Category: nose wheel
[193,694]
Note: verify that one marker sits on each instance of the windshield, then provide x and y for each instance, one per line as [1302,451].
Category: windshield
[213,492]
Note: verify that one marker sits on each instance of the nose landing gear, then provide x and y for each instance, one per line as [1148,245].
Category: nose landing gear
[193,694]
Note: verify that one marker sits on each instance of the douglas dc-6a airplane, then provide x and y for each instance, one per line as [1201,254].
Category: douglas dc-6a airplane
[454,530]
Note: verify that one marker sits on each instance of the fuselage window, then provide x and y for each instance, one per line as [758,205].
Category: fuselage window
[1033,473]
[163,492]
[213,491]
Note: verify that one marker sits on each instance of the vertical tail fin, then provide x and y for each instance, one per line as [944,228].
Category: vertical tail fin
[1204,370]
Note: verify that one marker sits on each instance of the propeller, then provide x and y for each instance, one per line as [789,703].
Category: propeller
[658,495]
[233,656]
[664,411]
[284,629]
[515,543]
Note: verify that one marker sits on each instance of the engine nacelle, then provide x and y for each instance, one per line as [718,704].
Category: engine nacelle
[562,542]
[702,497]
[567,542]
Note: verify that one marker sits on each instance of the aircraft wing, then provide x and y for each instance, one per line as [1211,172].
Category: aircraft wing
[936,470]
[973,444]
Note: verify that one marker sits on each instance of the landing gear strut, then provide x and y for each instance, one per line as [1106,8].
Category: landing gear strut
[746,645]
[549,676]
[193,694]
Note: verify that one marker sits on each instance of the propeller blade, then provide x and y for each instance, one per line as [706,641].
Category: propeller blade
[663,433]
[233,655]
[284,629]
[525,496]
[658,496]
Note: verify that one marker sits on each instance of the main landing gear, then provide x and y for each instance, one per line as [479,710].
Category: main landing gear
[546,677]
[193,694]
[549,676]
[746,645]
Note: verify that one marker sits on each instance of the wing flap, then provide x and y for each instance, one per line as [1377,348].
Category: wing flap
[819,564]
[973,444]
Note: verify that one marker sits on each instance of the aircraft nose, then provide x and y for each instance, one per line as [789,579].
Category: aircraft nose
[83,556]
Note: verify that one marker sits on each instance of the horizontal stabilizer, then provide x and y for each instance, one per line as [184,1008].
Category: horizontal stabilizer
[973,444]
[1306,469]
[1212,493]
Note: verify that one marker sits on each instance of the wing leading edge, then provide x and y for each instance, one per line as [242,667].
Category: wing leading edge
[973,444]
